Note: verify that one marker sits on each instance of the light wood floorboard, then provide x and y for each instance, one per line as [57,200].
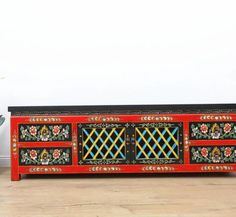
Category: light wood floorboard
[184,195]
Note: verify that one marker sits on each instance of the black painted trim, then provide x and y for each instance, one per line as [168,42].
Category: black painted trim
[174,108]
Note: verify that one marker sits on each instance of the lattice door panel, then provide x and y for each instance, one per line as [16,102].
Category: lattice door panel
[158,143]
[102,144]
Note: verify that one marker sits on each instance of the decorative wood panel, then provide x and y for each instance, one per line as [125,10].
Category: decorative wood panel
[158,143]
[45,156]
[212,130]
[212,154]
[102,144]
[44,132]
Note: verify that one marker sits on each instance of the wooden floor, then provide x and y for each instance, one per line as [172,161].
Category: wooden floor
[136,195]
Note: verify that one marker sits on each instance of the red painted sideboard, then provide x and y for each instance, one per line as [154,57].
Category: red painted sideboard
[123,139]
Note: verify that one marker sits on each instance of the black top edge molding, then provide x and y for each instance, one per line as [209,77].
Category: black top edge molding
[123,109]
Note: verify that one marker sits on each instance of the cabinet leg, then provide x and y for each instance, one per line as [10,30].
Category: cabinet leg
[15,177]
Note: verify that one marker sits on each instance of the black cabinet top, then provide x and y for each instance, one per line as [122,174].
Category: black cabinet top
[123,109]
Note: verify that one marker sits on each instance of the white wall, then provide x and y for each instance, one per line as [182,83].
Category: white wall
[115,52]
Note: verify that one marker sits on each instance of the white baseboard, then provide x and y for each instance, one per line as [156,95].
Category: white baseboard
[4,161]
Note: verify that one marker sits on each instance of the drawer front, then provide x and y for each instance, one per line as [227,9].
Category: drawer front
[213,154]
[212,130]
[45,156]
[45,132]
[158,143]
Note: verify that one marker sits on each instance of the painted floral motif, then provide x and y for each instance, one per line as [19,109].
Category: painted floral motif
[216,155]
[45,133]
[45,156]
[227,152]
[210,154]
[33,131]
[215,131]
[56,153]
[218,130]
[227,128]
[204,152]
[204,128]
[33,154]
[56,130]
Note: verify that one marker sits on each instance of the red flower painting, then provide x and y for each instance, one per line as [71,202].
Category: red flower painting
[33,131]
[204,152]
[56,154]
[33,154]
[227,152]
[227,128]
[204,128]
[56,130]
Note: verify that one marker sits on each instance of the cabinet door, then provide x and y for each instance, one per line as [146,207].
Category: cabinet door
[103,144]
[158,143]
